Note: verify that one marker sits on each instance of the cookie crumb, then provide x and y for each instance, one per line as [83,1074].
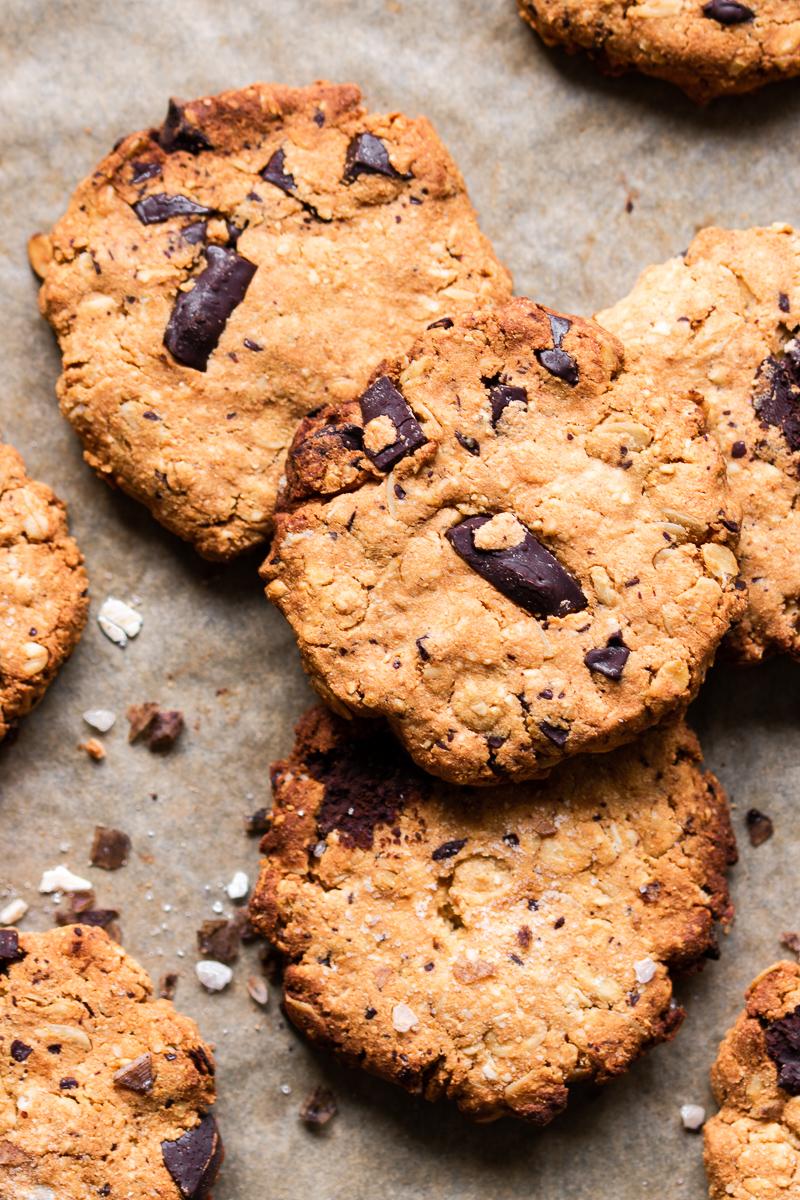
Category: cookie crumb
[258,990]
[13,912]
[96,750]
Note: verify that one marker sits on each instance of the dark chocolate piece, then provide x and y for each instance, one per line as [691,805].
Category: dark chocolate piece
[177,133]
[274,172]
[257,823]
[367,155]
[776,394]
[200,316]
[194,1159]
[142,171]
[557,734]
[382,399]
[528,574]
[194,233]
[470,444]
[759,827]
[442,323]
[137,1076]
[782,1038]
[9,947]
[783,302]
[728,12]
[503,394]
[610,659]
[220,939]
[20,1051]
[738,450]
[161,207]
[448,849]
[110,848]
[560,364]
[318,1108]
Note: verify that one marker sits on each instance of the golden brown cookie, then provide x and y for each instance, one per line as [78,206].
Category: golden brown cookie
[215,279]
[104,1091]
[512,546]
[752,1145]
[707,47]
[496,947]
[43,589]
[721,322]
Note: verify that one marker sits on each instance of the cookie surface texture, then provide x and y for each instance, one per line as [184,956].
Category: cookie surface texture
[106,1090]
[215,279]
[707,47]
[752,1145]
[511,547]
[722,322]
[43,589]
[496,948]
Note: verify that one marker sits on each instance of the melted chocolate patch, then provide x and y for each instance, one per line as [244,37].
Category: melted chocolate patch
[177,133]
[383,399]
[194,1159]
[776,394]
[153,210]
[728,12]
[200,316]
[367,155]
[528,574]
[782,1039]
[608,660]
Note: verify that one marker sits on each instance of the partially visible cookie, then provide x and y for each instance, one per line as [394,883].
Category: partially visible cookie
[512,546]
[215,279]
[106,1091]
[752,1145]
[722,322]
[43,589]
[495,947]
[707,47]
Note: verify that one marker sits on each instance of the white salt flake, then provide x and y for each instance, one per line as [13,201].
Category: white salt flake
[213,975]
[238,887]
[218,907]
[100,719]
[118,620]
[404,1018]
[645,969]
[61,879]
[692,1116]
[12,912]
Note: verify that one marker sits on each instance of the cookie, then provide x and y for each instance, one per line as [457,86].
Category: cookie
[511,546]
[217,278]
[708,48]
[721,321]
[43,589]
[106,1091]
[752,1145]
[494,947]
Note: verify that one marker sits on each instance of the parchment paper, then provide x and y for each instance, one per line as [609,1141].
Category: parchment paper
[554,156]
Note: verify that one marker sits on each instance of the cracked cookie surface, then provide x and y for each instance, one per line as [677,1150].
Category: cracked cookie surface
[707,47]
[752,1145]
[494,947]
[512,547]
[104,1091]
[721,322]
[215,279]
[43,589]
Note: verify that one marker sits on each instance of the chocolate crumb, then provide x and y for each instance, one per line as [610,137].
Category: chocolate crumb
[137,1076]
[167,985]
[160,728]
[318,1108]
[257,823]
[110,849]
[220,939]
[759,827]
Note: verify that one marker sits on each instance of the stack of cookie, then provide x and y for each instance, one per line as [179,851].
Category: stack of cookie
[509,543]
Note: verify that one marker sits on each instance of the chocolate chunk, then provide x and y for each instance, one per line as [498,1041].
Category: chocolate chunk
[560,364]
[200,316]
[367,155]
[442,323]
[318,1108]
[738,450]
[557,734]
[137,1076]
[783,302]
[382,399]
[9,947]
[274,172]
[19,1051]
[470,444]
[558,327]
[759,827]
[257,823]
[160,728]
[167,985]
[511,839]
[728,12]
[68,1084]
[528,574]
[194,233]
[142,171]
[110,848]
[178,133]
[160,207]
[448,849]
[421,651]
[776,393]
[610,659]
[782,1038]
[220,939]
[503,394]
[194,1159]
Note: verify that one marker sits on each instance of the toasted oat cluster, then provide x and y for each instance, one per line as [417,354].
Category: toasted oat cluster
[81,1035]
[496,947]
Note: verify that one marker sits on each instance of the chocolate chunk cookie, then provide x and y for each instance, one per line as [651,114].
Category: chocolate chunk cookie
[752,1145]
[492,947]
[707,47]
[215,279]
[722,322]
[43,589]
[511,546]
[106,1090]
